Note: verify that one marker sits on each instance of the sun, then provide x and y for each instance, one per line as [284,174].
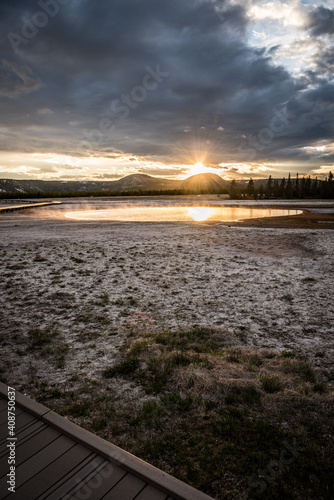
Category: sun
[198,168]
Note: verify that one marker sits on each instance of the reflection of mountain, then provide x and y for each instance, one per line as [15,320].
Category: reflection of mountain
[207,183]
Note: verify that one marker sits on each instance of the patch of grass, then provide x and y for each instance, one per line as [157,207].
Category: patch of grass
[233,356]
[288,354]
[48,344]
[38,338]
[180,359]
[302,369]
[99,423]
[198,339]
[151,410]
[255,362]
[124,368]
[271,383]
[77,260]
[137,347]
[320,387]
[80,409]
[226,447]
[243,394]
[175,401]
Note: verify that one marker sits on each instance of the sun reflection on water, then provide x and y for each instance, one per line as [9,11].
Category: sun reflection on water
[200,214]
[176,214]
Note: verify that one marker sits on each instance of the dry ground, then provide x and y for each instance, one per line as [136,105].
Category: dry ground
[76,298]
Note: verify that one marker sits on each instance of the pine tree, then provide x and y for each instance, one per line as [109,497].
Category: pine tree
[330,185]
[302,188]
[282,188]
[276,189]
[314,188]
[261,191]
[296,187]
[288,190]
[308,186]
[234,191]
[250,188]
[269,187]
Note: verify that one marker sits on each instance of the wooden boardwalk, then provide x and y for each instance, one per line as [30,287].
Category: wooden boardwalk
[56,459]
[14,208]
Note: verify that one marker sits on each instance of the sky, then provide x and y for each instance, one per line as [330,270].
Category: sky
[96,90]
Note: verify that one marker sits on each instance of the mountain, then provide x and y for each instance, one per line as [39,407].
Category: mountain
[208,183]
[144,182]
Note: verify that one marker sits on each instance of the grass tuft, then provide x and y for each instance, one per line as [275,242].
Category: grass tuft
[271,383]
[124,368]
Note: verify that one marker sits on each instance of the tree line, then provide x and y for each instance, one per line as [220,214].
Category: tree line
[304,187]
[98,194]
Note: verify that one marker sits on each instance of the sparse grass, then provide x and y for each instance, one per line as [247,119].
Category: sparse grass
[248,394]
[99,423]
[201,408]
[48,343]
[255,362]
[271,383]
[302,369]
[124,368]
[208,432]
[38,338]
[320,387]
[77,260]
[81,409]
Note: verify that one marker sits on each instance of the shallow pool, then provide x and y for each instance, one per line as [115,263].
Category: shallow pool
[177,214]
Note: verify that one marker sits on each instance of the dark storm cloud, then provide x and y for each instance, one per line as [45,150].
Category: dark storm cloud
[322,21]
[89,54]
[163,171]
[16,81]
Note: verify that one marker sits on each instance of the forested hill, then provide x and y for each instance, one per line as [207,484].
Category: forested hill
[135,183]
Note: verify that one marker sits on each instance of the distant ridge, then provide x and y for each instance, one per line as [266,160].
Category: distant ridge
[200,183]
[207,182]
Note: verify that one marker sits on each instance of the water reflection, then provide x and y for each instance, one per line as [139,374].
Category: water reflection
[178,214]
[200,214]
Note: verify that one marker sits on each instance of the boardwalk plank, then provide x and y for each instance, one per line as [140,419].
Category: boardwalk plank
[126,489]
[24,434]
[31,447]
[50,475]
[151,493]
[100,483]
[3,405]
[75,479]
[39,461]
[4,417]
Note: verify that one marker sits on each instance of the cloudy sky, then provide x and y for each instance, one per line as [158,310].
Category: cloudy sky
[102,89]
